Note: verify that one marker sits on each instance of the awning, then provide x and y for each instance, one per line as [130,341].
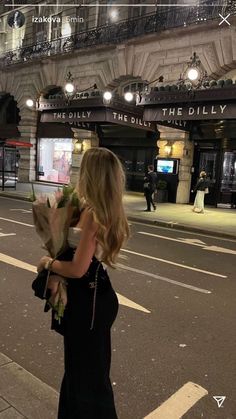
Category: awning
[75,117]
[177,105]
[94,111]
[18,144]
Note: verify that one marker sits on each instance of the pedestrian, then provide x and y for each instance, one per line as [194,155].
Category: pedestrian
[201,188]
[150,181]
[86,390]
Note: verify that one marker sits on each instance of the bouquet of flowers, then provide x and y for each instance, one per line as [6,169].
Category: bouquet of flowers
[52,216]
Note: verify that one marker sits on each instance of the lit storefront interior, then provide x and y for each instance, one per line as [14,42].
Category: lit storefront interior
[55,159]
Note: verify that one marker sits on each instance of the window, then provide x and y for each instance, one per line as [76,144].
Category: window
[55,158]
[136,11]
[56,26]
[82,19]
[134,87]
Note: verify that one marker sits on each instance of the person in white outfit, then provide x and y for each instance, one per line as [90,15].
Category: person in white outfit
[201,188]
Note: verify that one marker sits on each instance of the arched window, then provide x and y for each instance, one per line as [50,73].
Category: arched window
[136,86]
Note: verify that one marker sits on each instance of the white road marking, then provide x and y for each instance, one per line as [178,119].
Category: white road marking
[129,303]
[162,278]
[24,211]
[7,234]
[17,263]
[16,222]
[179,403]
[169,262]
[220,250]
[192,242]
[31,268]
[187,233]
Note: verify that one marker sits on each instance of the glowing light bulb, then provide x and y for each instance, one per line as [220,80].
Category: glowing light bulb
[193,74]
[30,103]
[129,96]
[107,95]
[69,87]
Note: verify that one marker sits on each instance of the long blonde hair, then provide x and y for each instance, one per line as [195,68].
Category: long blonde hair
[101,185]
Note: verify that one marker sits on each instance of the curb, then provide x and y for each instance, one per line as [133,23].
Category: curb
[23,395]
[15,196]
[172,225]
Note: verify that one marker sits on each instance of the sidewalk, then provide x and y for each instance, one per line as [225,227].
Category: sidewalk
[24,396]
[214,221]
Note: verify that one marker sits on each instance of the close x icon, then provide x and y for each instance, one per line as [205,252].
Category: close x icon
[224,19]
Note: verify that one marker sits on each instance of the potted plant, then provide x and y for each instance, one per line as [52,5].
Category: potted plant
[161,194]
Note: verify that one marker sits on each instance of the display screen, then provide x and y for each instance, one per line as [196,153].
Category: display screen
[165,166]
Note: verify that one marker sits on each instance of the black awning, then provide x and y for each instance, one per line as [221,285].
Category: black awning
[170,106]
[94,111]
[76,118]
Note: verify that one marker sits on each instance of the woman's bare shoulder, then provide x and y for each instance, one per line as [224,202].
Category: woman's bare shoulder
[87,220]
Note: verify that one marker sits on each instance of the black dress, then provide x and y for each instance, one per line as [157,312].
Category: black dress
[86,390]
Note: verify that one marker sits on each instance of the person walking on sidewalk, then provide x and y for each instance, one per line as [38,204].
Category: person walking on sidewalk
[201,188]
[92,305]
[150,181]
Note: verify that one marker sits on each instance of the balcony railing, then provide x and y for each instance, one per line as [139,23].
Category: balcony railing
[117,32]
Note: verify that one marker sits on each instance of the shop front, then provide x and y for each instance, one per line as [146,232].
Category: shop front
[211,116]
[54,153]
[87,122]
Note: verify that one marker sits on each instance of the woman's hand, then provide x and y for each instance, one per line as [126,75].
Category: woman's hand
[43,261]
[53,284]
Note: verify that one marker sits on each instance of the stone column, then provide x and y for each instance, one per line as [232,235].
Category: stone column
[28,128]
[87,139]
[182,149]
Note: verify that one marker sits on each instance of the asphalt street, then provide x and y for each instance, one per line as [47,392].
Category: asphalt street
[186,334]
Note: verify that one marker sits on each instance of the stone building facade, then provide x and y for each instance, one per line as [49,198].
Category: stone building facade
[139,45]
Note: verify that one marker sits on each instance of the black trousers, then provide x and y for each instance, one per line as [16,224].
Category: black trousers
[148,195]
[86,390]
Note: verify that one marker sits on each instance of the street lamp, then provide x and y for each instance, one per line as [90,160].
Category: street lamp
[71,91]
[29,103]
[129,96]
[194,76]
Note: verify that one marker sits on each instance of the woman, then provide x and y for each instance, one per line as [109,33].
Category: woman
[200,188]
[86,391]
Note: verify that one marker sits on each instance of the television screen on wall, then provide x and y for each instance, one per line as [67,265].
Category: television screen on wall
[166,166]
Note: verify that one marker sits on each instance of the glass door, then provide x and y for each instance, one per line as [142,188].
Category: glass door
[228,180]
[207,160]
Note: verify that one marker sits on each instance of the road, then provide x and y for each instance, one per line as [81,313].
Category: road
[181,332]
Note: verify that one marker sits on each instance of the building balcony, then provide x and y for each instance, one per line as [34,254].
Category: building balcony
[116,33]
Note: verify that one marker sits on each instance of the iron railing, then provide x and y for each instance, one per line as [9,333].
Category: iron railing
[117,32]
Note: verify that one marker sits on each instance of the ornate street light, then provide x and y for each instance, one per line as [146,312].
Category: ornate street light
[194,76]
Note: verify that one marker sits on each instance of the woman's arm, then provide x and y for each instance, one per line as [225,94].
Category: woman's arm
[83,254]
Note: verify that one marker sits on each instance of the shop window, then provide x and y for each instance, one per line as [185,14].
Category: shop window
[55,158]
[208,163]
[228,182]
